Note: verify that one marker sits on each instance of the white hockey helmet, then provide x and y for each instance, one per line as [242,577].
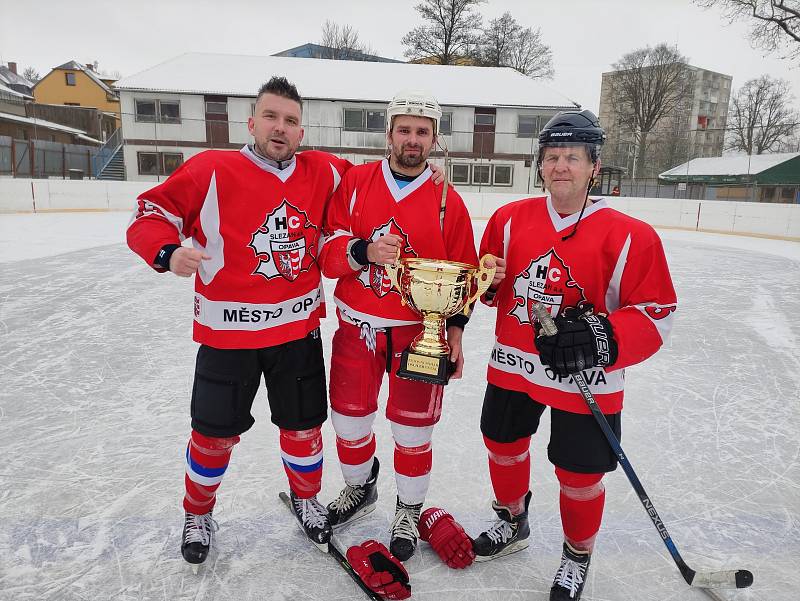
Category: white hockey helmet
[416,103]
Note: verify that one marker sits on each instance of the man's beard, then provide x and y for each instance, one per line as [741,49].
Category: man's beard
[410,162]
[284,156]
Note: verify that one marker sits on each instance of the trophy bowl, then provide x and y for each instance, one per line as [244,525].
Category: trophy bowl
[436,290]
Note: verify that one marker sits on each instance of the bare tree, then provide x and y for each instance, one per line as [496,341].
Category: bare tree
[648,85]
[496,40]
[760,118]
[449,34]
[505,43]
[31,74]
[776,23]
[341,42]
[531,56]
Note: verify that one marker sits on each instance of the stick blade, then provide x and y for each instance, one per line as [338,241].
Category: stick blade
[723,579]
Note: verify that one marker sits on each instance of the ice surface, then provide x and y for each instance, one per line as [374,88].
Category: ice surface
[96,361]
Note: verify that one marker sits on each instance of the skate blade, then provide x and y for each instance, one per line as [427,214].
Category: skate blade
[356,516]
[512,548]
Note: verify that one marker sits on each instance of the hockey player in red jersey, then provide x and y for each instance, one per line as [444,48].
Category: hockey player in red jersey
[255,219]
[604,278]
[385,209]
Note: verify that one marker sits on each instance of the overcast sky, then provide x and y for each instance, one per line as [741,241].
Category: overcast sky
[586,36]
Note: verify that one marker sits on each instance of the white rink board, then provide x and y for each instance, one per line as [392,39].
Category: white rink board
[97,371]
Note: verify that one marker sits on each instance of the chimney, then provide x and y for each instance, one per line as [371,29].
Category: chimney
[90,66]
[12,67]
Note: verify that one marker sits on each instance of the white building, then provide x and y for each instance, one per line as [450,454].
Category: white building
[193,102]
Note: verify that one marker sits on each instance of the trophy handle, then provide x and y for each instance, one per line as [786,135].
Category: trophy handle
[484,278]
[393,272]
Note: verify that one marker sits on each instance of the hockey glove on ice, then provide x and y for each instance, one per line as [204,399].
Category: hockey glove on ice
[584,340]
[381,571]
[447,538]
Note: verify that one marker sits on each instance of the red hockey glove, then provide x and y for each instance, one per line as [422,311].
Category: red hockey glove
[381,571]
[447,537]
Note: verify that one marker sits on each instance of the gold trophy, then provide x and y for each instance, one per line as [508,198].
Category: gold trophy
[436,290]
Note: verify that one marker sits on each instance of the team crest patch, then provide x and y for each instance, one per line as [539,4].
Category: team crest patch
[374,276]
[546,280]
[285,243]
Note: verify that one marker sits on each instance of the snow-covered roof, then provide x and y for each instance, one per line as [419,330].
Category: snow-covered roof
[237,75]
[76,66]
[7,76]
[48,125]
[730,165]
[6,91]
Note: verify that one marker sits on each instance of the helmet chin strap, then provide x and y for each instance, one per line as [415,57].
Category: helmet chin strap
[583,208]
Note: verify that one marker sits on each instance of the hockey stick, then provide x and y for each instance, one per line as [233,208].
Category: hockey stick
[335,552]
[705,580]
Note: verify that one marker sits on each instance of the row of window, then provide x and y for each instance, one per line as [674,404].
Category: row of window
[369,120]
[164,163]
[158,163]
[482,174]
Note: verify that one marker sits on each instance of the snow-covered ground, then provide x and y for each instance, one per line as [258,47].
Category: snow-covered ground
[96,360]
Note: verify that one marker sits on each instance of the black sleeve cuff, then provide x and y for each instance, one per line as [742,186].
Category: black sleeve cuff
[358,250]
[164,255]
[458,320]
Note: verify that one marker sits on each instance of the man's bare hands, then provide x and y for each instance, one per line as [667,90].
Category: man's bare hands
[437,173]
[499,265]
[454,335]
[385,249]
[185,261]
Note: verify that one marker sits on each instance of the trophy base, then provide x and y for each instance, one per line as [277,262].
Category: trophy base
[424,368]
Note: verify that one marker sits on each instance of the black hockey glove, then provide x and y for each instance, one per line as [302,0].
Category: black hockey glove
[584,340]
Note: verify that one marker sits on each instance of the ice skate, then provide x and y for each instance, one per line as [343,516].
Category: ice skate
[507,535]
[571,575]
[404,530]
[354,502]
[313,518]
[198,532]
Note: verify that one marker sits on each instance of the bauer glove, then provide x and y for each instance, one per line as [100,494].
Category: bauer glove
[447,538]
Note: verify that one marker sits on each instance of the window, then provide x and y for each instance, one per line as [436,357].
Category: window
[170,111]
[148,163]
[72,103]
[158,111]
[376,120]
[172,160]
[446,124]
[364,120]
[217,108]
[484,119]
[353,120]
[70,78]
[481,174]
[503,175]
[460,173]
[146,111]
[527,126]
[159,163]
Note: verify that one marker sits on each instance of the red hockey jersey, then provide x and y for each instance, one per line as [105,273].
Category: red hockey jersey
[369,204]
[261,227]
[613,261]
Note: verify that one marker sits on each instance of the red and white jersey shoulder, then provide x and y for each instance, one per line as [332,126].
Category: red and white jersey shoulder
[613,261]
[261,226]
[368,204]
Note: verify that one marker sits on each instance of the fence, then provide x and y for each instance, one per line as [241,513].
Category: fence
[44,159]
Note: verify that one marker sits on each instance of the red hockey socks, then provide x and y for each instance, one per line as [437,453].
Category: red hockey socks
[206,461]
[413,457]
[582,499]
[510,471]
[301,451]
